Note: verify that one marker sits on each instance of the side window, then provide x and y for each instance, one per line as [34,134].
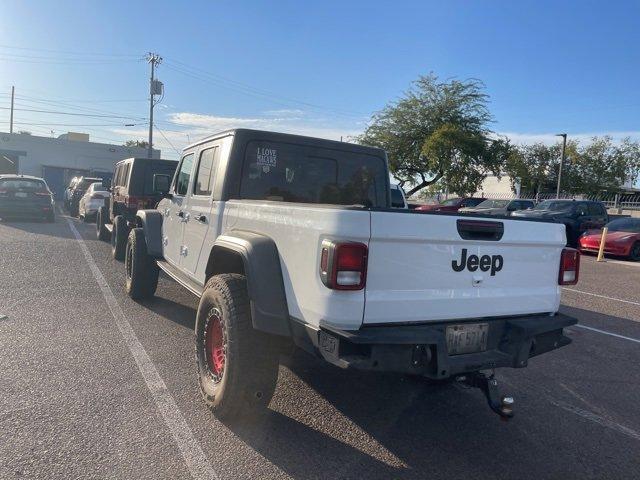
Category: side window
[205,175]
[184,175]
[116,176]
[125,175]
[595,209]
[581,209]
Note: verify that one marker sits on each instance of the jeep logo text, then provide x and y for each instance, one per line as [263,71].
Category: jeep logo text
[484,263]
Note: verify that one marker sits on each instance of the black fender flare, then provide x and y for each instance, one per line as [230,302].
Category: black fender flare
[151,223]
[256,256]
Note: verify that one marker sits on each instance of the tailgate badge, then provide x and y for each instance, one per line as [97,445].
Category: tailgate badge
[472,263]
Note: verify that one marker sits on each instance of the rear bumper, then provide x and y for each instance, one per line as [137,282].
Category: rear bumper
[422,349]
[25,211]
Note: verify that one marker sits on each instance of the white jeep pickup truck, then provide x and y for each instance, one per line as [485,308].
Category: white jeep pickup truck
[290,239]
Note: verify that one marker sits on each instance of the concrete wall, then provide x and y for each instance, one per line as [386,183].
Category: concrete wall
[34,152]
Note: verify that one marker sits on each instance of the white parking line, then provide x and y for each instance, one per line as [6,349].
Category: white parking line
[192,453]
[604,332]
[596,419]
[601,296]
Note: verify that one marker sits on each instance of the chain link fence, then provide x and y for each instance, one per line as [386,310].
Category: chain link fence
[610,200]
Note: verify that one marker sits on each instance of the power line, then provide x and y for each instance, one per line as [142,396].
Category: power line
[83,100]
[78,124]
[54,103]
[66,52]
[87,62]
[168,141]
[74,114]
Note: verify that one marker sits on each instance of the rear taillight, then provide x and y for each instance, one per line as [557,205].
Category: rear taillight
[132,202]
[43,194]
[343,265]
[569,267]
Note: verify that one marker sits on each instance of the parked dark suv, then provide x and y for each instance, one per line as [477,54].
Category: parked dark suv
[578,215]
[138,183]
[23,196]
[75,191]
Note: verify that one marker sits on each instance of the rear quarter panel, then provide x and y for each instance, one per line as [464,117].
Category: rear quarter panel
[298,231]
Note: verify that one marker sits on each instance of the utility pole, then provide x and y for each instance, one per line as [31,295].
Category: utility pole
[155,88]
[13,91]
[564,147]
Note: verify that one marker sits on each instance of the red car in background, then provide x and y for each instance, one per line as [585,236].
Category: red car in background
[451,205]
[623,239]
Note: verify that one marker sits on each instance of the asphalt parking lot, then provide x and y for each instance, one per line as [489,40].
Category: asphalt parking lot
[94,385]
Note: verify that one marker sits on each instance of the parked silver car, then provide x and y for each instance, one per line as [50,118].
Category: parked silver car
[92,200]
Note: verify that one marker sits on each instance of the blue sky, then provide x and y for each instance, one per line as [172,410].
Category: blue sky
[318,68]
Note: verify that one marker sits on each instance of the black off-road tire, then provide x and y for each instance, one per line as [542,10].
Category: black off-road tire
[119,236]
[634,254]
[246,383]
[101,231]
[141,270]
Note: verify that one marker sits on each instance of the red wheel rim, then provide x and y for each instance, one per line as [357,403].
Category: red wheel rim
[215,346]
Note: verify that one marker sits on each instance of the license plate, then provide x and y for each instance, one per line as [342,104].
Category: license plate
[21,194]
[467,338]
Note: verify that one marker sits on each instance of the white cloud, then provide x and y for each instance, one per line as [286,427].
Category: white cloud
[188,127]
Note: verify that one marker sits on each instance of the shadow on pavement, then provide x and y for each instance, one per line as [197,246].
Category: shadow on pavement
[176,312]
[58,229]
[390,426]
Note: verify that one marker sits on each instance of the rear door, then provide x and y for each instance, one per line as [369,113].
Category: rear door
[429,267]
[174,212]
[200,208]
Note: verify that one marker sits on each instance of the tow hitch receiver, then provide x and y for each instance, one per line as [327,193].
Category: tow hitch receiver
[502,405]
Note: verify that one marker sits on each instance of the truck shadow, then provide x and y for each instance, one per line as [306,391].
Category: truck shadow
[386,426]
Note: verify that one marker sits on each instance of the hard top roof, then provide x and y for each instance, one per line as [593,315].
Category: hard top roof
[286,137]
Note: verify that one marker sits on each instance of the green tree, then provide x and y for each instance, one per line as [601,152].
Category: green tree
[534,167]
[603,164]
[438,132]
[598,165]
[136,143]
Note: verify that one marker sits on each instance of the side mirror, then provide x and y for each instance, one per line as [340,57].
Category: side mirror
[161,184]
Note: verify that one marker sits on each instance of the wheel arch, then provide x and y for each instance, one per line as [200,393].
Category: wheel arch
[256,257]
[151,223]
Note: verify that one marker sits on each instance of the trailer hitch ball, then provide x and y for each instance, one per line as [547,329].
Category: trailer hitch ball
[506,407]
[502,405]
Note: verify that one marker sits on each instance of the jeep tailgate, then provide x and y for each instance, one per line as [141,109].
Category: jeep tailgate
[421,269]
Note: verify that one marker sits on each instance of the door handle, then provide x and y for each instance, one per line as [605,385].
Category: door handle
[201,218]
[180,214]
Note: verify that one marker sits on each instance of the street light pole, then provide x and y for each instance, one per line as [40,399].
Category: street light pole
[564,147]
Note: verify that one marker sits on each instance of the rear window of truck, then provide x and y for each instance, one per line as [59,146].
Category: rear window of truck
[143,172]
[298,173]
